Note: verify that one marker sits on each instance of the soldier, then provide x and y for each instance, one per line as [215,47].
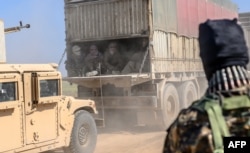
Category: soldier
[74,64]
[135,63]
[224,110]
[113,60]
[93,61]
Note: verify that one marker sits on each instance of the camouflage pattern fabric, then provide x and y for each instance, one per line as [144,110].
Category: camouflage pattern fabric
[191,132]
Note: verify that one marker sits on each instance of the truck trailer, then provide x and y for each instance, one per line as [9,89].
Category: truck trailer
[244,20]
[170,75]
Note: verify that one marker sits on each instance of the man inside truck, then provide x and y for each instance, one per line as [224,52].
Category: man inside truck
[74,65]
[224,110]
[139,59]
[113,60]
[93,61]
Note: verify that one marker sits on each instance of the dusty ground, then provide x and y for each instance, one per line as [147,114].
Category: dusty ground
[130,142]
[136,141]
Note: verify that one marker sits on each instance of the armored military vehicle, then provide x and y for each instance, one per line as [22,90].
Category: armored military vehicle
[35,116]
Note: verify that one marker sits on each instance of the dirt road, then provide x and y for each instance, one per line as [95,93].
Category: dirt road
[130,142]
[136,141]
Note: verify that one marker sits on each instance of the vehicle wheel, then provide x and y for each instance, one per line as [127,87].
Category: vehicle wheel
[170,104]
[188,94]
[84,134]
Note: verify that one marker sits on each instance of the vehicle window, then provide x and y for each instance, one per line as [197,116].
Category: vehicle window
[49,88]
[7,91]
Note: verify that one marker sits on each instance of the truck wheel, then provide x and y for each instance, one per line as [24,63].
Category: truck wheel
[188,94]
[84,134]
[170,104]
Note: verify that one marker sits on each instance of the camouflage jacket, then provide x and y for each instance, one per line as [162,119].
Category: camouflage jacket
[191,132]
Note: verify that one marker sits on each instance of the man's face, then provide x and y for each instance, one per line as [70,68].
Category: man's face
[76,50]
[93,50]
[112,48]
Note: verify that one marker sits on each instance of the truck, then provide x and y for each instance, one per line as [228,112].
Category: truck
[174,75]
[34,115]
[244,20]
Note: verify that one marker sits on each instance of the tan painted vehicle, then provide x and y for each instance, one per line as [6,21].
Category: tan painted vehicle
[36,117]
[169,74]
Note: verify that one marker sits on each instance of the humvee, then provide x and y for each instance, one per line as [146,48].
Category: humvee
[34,115]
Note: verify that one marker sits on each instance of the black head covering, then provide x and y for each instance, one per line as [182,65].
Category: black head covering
[222,44]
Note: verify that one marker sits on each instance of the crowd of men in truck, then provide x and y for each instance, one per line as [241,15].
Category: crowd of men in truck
[111,61]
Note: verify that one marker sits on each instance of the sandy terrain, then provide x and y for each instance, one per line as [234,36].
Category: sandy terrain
[136,141]
[130,142]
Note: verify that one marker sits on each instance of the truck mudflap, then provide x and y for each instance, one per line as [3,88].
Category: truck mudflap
[126,102]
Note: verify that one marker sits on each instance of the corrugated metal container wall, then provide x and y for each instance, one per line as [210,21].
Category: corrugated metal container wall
[179,52]
[244,19]
[193,17]
[182,20]
[201,11]
[247,35]
[106,19]
[164,15]
[175,54]
[210,10]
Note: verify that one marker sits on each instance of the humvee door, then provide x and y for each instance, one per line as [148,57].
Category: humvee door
[11,108]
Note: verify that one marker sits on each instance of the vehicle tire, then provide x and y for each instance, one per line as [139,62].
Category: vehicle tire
[188,94]
[170,105]
[84,134]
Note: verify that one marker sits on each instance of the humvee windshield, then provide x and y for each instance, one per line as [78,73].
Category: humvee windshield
[49,88]
[7,91]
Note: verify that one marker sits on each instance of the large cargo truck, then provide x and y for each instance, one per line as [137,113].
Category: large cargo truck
[170,75]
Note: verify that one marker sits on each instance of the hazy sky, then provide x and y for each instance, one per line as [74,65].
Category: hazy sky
[44,42]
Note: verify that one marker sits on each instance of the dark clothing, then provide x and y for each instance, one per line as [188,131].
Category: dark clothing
[192,133]
[113,62]
[222,44]
[135,63]
[93,62]
[226,103]
[74,66]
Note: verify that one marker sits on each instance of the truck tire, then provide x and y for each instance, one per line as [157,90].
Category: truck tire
[84,134]
[188,93]
[170,105]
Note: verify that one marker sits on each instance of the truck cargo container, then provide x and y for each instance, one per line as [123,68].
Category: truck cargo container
[244,20]
[174,77]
